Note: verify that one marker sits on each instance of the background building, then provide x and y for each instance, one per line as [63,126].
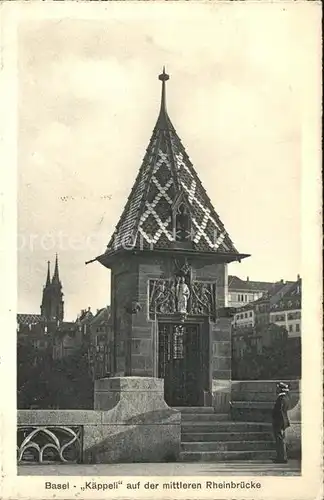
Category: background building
[101,345]
[242,292]
[267,333]
[287,310]
[244,317]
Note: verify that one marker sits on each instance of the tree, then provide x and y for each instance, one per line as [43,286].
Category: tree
[49,383]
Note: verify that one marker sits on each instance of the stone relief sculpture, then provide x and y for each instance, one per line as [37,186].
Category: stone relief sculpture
[162,297]
[180,297]
[203,298]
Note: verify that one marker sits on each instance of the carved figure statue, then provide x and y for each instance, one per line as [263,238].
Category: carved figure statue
[182,294]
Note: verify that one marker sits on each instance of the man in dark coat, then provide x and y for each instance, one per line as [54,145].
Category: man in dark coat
[280,422]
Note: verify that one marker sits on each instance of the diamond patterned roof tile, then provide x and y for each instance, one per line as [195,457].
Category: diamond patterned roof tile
[165,174]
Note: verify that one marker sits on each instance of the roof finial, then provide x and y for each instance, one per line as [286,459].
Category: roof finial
[164,77]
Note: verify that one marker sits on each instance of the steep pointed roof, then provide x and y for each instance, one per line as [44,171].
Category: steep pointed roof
[166,174]
[48,277]
[56,277]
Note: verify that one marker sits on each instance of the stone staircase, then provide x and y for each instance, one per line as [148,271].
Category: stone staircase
[207,436]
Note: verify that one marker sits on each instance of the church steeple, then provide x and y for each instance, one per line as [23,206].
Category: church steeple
[48,278]
[56,277]
[52,307]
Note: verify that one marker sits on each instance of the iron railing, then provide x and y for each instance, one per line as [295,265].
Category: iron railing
[46,444]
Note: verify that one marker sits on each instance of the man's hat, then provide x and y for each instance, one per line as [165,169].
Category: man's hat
[283,387]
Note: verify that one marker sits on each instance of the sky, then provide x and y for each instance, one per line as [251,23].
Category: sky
[88,100]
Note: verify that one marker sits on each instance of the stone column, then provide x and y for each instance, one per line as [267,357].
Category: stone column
[221,347]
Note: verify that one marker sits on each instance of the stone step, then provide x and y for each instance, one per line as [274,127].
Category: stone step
[262,405]
[194,409]
[253,396]
[203,417]
[226,436]
[224,426]
[221,456]
[215,446]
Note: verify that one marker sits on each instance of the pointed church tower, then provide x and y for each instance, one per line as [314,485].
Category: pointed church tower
[168,258]
[56,277]
[48,277]
[52,307]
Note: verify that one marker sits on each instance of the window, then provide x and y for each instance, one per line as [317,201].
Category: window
[100,339]
[245,315]
[297,327]
[182,223]
[294,315]
[291,328]
[250,314]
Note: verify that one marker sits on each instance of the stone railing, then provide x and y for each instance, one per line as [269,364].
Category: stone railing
[131,423]
[254,399]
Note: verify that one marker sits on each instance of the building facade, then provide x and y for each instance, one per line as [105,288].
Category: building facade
[244,317]
[268,301]
[243,292]
[286,311]
[254,325]
[101,345]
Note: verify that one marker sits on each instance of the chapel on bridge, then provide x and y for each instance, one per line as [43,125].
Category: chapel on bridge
[168,258]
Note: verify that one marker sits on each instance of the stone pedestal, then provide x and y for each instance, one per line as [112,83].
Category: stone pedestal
[132,395]
[141,427]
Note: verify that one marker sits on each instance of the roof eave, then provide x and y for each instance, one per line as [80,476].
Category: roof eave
[108,258]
